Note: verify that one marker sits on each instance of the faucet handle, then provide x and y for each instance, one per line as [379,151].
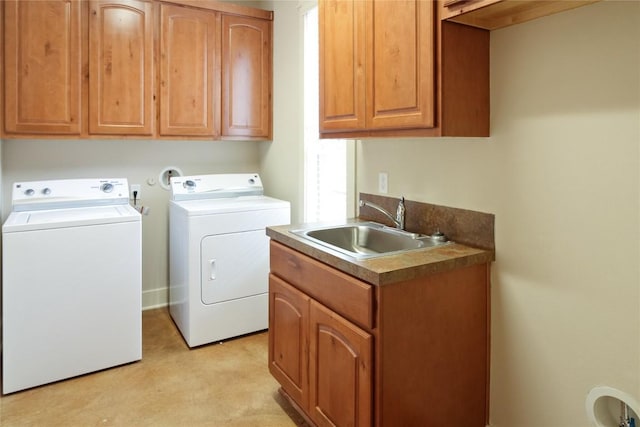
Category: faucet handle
[400,214]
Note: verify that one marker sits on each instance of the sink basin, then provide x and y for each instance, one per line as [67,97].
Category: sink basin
[367,240]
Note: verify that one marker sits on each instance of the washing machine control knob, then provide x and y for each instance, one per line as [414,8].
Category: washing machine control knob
[46,191]
[189,184]
[106,187]
[29,192]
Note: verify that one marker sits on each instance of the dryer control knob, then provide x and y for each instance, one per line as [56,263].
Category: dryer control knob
[46,191]
[29,192]
[106,187]
[189,184]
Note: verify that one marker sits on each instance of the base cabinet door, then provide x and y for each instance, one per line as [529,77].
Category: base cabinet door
[322,361]
[340,365]
[288,339]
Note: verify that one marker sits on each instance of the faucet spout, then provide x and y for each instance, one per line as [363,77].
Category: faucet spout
[398,220]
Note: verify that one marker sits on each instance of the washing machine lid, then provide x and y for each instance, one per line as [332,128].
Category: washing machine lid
[231,204]
[71,217]
[216,186]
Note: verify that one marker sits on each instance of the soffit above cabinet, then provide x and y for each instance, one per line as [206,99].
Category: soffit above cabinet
[495,14]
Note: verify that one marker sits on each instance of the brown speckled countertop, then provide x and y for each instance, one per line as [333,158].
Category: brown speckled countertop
[385,269]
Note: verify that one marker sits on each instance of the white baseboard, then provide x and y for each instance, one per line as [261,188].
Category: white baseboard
[155,298]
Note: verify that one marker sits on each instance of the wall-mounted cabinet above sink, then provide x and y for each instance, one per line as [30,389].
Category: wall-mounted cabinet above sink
[395,69]
[412,68]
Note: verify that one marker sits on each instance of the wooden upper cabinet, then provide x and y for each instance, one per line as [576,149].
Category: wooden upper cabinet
[246,77]
[392,68]
[342,60]
[42,67]
[400,66]
[189,72]
[120,67]
[376,65]
[89,68]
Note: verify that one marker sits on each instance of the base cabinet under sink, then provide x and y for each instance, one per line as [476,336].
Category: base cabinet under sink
[348,353]
[323,361]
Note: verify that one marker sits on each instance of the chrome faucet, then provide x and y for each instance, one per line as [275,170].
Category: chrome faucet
[398,221]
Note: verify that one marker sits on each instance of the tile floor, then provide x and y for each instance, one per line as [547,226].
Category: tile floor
[225,384]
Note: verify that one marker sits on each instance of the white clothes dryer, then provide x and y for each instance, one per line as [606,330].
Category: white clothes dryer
[72,277]
[219,255]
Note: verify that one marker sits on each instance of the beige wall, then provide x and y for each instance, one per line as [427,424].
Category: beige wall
[561,174]
[136,160]
[282,159]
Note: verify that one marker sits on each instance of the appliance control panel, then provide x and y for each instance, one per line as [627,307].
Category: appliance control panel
[65,193]
[215,186]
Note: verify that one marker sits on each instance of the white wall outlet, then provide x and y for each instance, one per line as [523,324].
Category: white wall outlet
[383,182]
[132,188]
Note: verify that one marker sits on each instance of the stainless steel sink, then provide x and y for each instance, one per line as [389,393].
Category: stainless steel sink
[368,239]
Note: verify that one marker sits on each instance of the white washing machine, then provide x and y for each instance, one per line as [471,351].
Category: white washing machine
[72,276]
[219,255]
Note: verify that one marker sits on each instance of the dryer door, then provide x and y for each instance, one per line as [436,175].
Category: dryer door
[234,265]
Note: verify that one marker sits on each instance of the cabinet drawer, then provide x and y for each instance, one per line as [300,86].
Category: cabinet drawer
[344,294]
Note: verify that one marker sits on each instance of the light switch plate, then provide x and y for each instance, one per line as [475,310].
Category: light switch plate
[383,182]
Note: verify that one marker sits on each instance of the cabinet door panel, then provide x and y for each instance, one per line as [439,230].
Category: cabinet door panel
[189,72]
[401,89]
[288,339]
[342,61]
[120,67]
[340,390]
[246,77]
[42,67]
